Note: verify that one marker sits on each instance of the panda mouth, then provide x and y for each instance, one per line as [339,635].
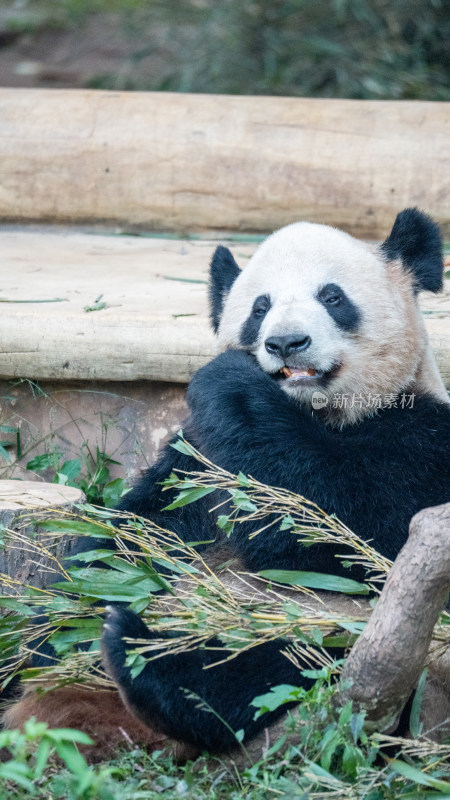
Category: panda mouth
[293,375]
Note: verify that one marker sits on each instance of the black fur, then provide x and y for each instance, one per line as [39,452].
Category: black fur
[340,308]
[250,329]
[417,240]
[374,476]
[224,272]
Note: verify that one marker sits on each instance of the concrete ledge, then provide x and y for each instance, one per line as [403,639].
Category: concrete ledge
[154,324]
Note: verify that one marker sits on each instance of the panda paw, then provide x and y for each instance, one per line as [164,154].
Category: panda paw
[229,363]
[120,624]
[232,371]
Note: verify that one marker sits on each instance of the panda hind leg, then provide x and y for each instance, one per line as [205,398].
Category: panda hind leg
[146,695]
[176,694]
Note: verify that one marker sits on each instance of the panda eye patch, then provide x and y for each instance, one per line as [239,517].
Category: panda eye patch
[261,306]
[340,308]
[251,327]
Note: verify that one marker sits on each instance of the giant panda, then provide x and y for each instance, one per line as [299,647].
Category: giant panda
[325,385]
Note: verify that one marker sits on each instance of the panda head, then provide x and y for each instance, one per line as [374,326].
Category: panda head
[325,313]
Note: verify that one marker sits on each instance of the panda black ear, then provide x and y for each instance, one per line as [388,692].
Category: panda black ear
[417,240]
[222,274]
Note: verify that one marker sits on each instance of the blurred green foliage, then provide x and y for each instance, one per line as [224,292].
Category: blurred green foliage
[330,48]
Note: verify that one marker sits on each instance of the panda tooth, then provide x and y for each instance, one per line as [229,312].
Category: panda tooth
[299,373]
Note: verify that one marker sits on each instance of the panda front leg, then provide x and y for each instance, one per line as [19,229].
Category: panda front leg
[175,694]
[237,408]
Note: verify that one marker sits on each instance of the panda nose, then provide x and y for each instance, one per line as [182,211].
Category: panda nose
[285,346]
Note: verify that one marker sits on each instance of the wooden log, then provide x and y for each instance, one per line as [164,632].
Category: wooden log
[154,324]
[180,162]
[20,502]
[386,661]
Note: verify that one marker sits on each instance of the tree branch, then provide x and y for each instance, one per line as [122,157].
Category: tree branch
[386,662]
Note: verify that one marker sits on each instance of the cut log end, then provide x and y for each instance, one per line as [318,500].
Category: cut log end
[30,495]
[19,502]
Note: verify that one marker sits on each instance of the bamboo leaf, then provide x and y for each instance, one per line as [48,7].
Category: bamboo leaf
[183,280]
[242,479]
[183,447]
[97,530]
[95,307]
[242,501]
[189,496]
[315,580]
[419,777]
